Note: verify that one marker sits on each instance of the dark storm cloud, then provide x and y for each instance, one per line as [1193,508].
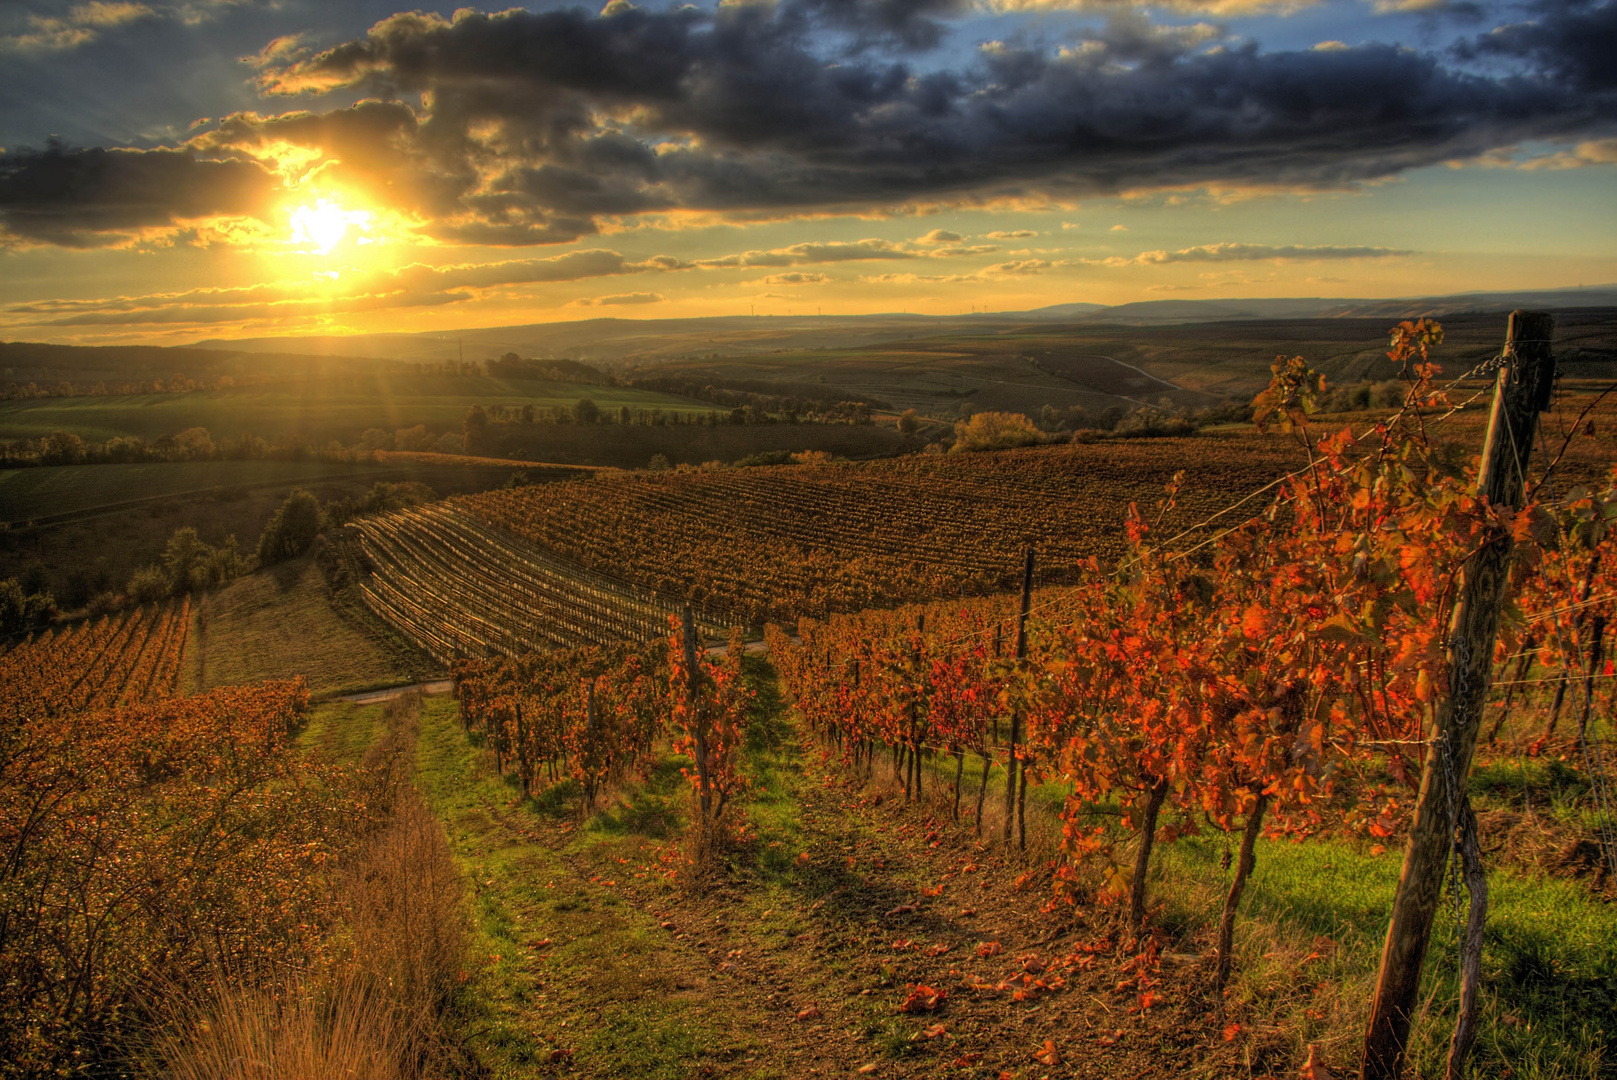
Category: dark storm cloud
[1572,42]
[526,128]
[913,24]
[77,198]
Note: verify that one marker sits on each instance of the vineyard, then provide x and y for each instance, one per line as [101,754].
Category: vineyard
[783,541]
[113,660]
[595,716]
[1293,682]
[459,587]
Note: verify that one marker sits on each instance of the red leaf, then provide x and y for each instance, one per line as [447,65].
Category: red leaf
[1313,1069]
[923,998]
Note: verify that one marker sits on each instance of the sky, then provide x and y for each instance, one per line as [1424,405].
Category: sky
[177,170]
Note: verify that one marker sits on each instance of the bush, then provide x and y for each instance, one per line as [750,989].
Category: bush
[189,565]
[21,610]
[148,585]
[384,498]
[767,457]
[995,431]
[292,530]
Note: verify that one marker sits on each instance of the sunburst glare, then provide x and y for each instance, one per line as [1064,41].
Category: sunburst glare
[323,226]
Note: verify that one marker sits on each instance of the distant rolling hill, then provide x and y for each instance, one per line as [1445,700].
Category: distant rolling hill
[1189,311]
[641,341]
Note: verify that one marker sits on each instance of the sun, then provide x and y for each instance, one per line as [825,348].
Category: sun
[323,226]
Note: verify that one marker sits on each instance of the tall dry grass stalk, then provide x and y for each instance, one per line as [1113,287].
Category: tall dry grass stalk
[341,1033]
[407,915]
[375,1012]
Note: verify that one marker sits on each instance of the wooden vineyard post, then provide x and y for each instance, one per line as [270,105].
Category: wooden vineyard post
[1522,391]
[591,749]
[693,696]
[1013,765]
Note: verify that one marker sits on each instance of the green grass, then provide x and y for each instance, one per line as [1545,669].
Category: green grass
[278,624]
[1549,992]
[602,991]
[26,494]
[565,962]
[343,730]
[317,411]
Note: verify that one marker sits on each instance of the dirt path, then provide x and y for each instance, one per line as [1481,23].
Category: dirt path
[377,697]
[841,905]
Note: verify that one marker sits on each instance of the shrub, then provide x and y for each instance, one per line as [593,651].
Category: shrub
[148,585]
[292,530]
[21,610]
[995,431]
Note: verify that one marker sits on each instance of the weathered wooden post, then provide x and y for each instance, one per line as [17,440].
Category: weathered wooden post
[693,704]
[1522,391]
[1013,765]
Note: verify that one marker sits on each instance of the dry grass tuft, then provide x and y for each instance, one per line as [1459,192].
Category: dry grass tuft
[374,1013]
[345,1033]
[407,912]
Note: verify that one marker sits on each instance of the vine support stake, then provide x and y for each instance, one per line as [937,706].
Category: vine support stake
[1521,392]
[693,699]
[1013,763]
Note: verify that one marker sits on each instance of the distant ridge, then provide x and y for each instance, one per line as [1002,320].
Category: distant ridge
[613,339]
[1187,311]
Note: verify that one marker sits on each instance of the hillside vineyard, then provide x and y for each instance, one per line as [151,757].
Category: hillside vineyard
[458,586]
[113,660]
[778,542]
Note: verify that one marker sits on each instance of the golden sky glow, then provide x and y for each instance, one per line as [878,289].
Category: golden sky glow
[426,173]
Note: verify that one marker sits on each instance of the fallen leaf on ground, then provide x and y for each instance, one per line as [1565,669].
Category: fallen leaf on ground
[1111,1040]
[1049,1055]
[923,998]
[1231,1031]
[1313,1069]
[989,948]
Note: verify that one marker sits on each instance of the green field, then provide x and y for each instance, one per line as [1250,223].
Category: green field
[123,515]
[1097,366]
[28,494]
[316,411]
